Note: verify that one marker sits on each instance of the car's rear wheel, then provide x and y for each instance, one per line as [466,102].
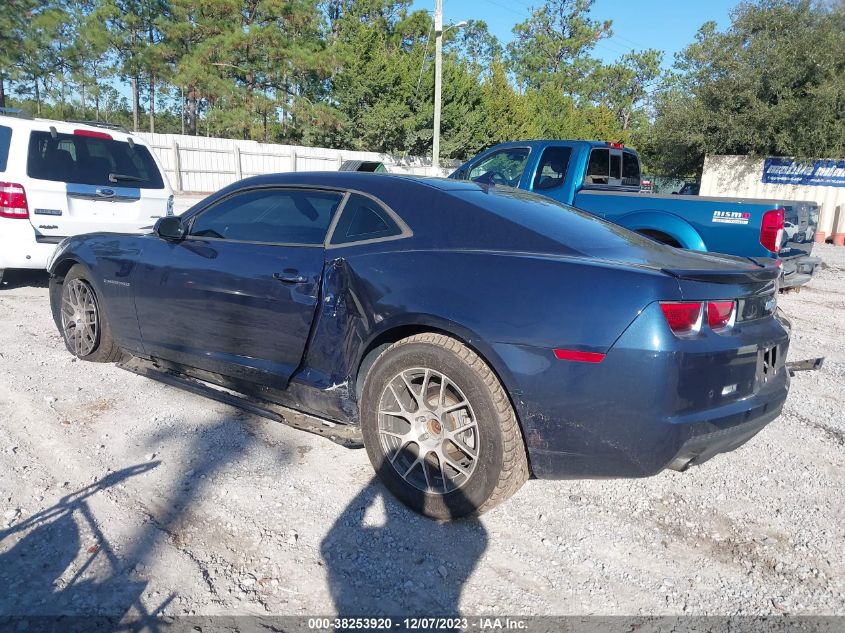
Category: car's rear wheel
[439,428]
[84,325]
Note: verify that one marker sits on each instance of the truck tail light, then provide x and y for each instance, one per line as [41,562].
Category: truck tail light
[721,315]
[771,230]
[13,201]
[684,317]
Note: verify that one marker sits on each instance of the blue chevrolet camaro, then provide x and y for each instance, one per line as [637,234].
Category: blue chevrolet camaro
[468,335]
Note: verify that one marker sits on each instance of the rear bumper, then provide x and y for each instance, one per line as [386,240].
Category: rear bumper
[699,448]
[654,402]
[687,442]
[798,271]
[18,247]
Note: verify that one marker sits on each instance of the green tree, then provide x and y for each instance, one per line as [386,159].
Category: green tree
[553,45]
[40,58]
[475,44]
[624,86]
[87,53]
[251,62]
[773,83]
[14,19]
[133,35]
[508,114]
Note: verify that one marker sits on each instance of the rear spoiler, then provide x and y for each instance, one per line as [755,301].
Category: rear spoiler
[765,272]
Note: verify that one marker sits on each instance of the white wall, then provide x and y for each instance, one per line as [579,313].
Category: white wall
[741,176]
[207,164]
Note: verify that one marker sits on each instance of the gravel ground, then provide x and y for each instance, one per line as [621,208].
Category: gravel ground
[121,495]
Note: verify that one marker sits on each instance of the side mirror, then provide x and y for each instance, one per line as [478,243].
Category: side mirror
[170,228]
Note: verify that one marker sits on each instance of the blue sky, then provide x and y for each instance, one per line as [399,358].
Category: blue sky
[667,25]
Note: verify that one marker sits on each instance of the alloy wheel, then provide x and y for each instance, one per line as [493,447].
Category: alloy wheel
[80,320]
[428,430]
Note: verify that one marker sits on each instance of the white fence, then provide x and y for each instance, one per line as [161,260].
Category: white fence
[204,164]
[741,176]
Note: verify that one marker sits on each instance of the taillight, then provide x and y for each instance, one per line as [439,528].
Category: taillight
[13,201]
[771,230]
[684,318]
[721,314]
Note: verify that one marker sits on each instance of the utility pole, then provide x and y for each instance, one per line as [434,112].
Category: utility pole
[438,81]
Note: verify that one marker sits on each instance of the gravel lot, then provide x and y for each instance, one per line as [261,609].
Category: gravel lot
[121,495]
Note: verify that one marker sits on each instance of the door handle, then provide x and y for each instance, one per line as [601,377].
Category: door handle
[290,277]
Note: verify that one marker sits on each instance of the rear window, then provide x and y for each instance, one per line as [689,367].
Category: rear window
[598,167]
[579,231]
[88,160]
[630,170]
[5,141]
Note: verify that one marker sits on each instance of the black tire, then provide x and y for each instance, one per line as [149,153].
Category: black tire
[501,466]
[104,349]
[2,272]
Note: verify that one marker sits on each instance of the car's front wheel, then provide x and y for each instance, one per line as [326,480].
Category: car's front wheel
[439,428]
[84,325]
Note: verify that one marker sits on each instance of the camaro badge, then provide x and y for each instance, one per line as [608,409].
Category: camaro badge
[731,217]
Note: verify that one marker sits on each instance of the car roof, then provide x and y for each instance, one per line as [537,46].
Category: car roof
[366,181]
[65,127]
[543,142]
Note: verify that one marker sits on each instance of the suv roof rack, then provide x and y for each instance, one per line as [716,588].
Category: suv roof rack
[15,112]
[103,124]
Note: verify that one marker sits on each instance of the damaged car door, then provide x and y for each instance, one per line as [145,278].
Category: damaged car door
[237,292]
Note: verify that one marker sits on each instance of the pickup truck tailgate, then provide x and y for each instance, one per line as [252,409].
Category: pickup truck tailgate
[801,220]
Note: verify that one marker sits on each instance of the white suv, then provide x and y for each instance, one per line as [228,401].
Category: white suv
[60,178]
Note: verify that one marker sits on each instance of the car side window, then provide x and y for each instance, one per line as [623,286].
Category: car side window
[271,216]
[363,219]
[552,168]
[502,167]
[5,142]
[630,170]
[598,167]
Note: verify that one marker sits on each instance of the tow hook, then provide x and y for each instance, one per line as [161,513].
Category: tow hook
[810,364]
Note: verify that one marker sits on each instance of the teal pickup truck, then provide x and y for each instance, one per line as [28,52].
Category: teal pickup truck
[604,179]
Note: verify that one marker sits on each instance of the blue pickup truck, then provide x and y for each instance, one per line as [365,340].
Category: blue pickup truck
[604,179]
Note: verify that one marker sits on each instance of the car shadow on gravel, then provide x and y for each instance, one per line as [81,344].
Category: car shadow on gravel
[66,566]
[24,278]
[393,562]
